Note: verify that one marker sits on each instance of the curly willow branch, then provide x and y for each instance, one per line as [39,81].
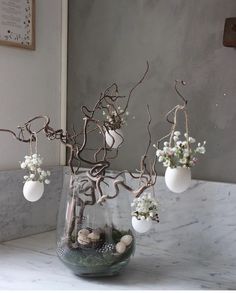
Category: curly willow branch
[174,111]
[76,142]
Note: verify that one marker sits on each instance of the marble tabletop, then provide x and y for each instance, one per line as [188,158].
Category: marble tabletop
[31,263]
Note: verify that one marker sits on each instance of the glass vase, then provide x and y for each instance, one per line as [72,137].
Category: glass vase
[95,239]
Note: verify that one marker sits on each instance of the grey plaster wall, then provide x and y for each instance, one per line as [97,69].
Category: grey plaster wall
[110,40]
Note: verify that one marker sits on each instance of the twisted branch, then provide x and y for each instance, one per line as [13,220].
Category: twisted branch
[174,111]
[76,142]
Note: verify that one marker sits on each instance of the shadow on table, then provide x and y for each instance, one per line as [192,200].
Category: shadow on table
[163,272]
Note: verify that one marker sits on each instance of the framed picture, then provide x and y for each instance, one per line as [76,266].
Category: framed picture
[17,23]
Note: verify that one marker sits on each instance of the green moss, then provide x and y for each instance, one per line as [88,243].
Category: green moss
[85,261]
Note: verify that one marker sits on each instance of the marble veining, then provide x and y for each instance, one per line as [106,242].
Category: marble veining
[193,247]
[32,263]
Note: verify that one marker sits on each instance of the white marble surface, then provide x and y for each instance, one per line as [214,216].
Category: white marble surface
[193,247]
[31,263]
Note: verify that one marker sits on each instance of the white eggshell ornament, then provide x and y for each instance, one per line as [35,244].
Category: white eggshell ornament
[33,190]
[141,226]
[114,138]
[178,179]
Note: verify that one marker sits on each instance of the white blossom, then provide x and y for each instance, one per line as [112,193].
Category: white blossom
[191,139]
[32,165]
[159,153]
[177,133]
[181,153]
[23,165]
[145,207]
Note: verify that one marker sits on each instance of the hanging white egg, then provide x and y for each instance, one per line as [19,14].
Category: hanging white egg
[141,226]
[33,190]
[114,138]
[178,179]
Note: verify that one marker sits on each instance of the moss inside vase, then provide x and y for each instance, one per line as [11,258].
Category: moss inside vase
[99,258]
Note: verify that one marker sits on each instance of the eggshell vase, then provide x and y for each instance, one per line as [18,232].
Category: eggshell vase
[141,226]
[114,138]
[33,190]
[178,179]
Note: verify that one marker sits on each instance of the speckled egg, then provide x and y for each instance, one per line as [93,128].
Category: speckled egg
[84,232]
[120,247]
[94,236]
[127,239]
[83,239]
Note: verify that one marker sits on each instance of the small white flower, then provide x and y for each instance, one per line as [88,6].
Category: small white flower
[175,138]
[166,164]
[159,153]
[32,176]
[23,165]
[186,153]
[27,161]
[201,150]
[26,177]
[177,133]
[47,181]
[166,143]
[43,173]
[166,149]
[191,139]
[183,161]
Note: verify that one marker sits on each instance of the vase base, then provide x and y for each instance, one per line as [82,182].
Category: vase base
[113,271]
[91,263]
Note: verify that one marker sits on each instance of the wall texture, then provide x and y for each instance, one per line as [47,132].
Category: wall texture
[111,40]
[30,85]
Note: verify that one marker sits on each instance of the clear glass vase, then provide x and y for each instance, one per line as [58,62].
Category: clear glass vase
[97,240]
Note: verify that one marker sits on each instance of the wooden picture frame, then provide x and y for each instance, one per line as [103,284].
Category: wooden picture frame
[17,23]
